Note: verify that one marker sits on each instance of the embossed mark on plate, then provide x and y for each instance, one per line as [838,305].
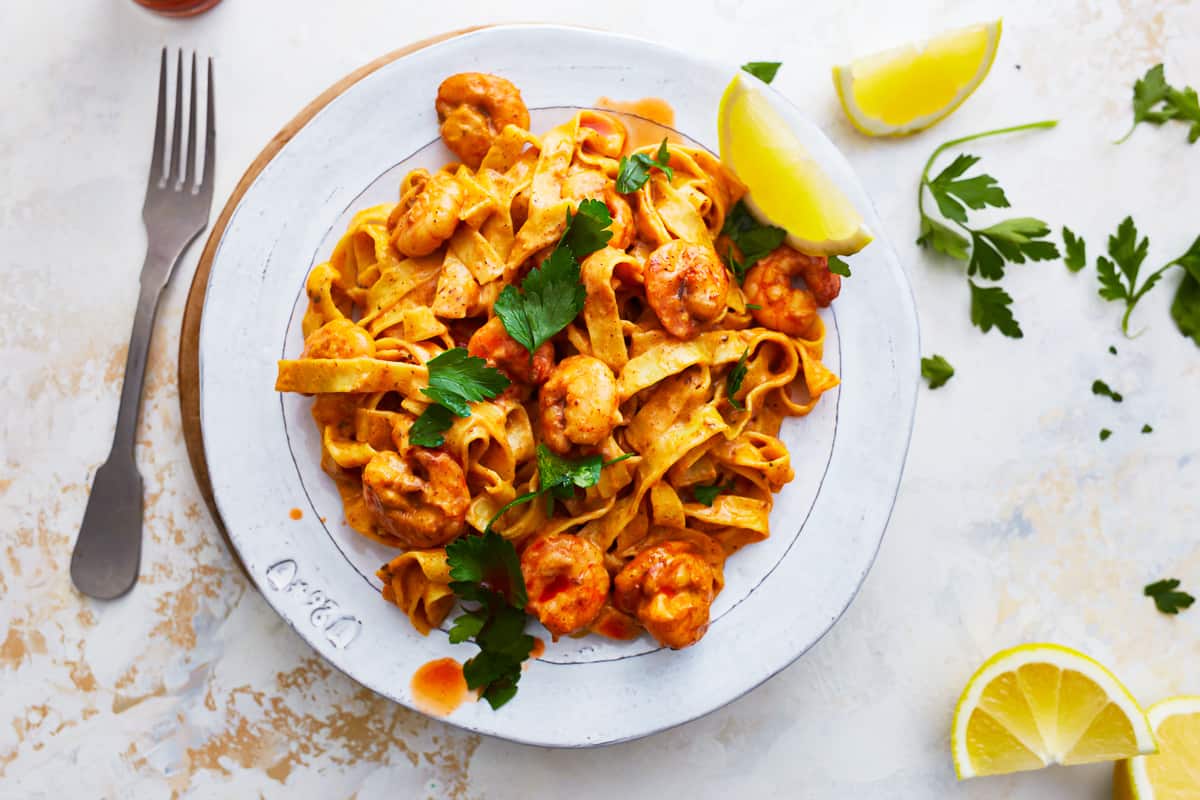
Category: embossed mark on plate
[340,629]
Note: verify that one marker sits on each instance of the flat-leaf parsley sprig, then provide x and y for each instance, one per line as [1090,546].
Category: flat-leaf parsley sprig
[1119,275]
[485,571]
[1156,101]
[558,477]
[752,239]
[987,250]
[456,380]
[552,295]
[633,171]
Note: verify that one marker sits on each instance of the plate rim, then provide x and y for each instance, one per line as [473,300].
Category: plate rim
[271,151]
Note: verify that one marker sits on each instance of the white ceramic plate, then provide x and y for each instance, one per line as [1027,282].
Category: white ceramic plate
[780,596]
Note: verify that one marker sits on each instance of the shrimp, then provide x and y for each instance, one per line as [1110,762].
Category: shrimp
[339,338]
[473,108]
[578,403]
[686,285]
[784,307]
[426,215]
[420,500]
[492,343]
[566,580]
[590,184]
[669,587]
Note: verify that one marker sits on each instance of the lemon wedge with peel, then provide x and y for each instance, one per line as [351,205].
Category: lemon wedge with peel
[1174,773]
[1041,704]
[787,186]
[909,88]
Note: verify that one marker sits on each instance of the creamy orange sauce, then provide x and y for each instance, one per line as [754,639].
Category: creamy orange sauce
[439,687]
[296,513]
[643,131]
[539,647]
[615,625]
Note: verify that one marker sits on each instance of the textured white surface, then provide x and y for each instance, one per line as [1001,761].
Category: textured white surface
[1014,524]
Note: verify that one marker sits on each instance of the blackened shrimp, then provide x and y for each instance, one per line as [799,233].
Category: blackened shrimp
[473,108]
[566,581]
[420,498]
[686,285]
[578,404]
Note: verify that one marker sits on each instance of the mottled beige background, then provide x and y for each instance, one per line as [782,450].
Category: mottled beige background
[1014,524]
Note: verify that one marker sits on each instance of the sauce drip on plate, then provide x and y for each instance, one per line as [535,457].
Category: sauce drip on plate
[296,513]
[439,687]
[539,647]
[644,131]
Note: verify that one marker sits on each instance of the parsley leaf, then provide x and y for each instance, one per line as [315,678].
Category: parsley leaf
[980,191]
[1104,434]
[943,239]
[990,308]
[1076,258]
[751,237]
[467,626]
[588,230]
[1012,240]
[839,267]
[488,559]
[1185,308]
[1147,429]
[485,570]
[1156,101]
[986,250]
[1112,349]
[1102,389]
[456,379]
[551,296]
[1166,598]
[708,494]
[428,429]
[736,376]
[763,70]
[936,370]
[633,171]
[1119,273]
[558,477]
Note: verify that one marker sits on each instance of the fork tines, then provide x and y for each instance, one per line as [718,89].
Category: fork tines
[175,178]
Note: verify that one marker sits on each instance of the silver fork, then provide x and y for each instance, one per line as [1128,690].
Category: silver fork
[109,548]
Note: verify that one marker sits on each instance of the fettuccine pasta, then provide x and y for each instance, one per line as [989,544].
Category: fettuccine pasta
[670,363]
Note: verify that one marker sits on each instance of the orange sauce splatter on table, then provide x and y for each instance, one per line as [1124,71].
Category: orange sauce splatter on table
[654,111]
[296,513]
[439,687]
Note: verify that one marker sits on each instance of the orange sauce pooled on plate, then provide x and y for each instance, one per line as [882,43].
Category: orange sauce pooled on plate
[439,687]
[296,513]
[539,647]
[644,131]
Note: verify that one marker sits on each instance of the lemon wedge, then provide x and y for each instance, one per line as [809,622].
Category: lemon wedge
[1173,774]
[787,186]
[909,88]
[1041,704]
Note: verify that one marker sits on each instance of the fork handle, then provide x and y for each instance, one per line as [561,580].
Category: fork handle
[125,434]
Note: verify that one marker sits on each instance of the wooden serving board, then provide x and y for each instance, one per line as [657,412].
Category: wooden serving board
[189,338]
